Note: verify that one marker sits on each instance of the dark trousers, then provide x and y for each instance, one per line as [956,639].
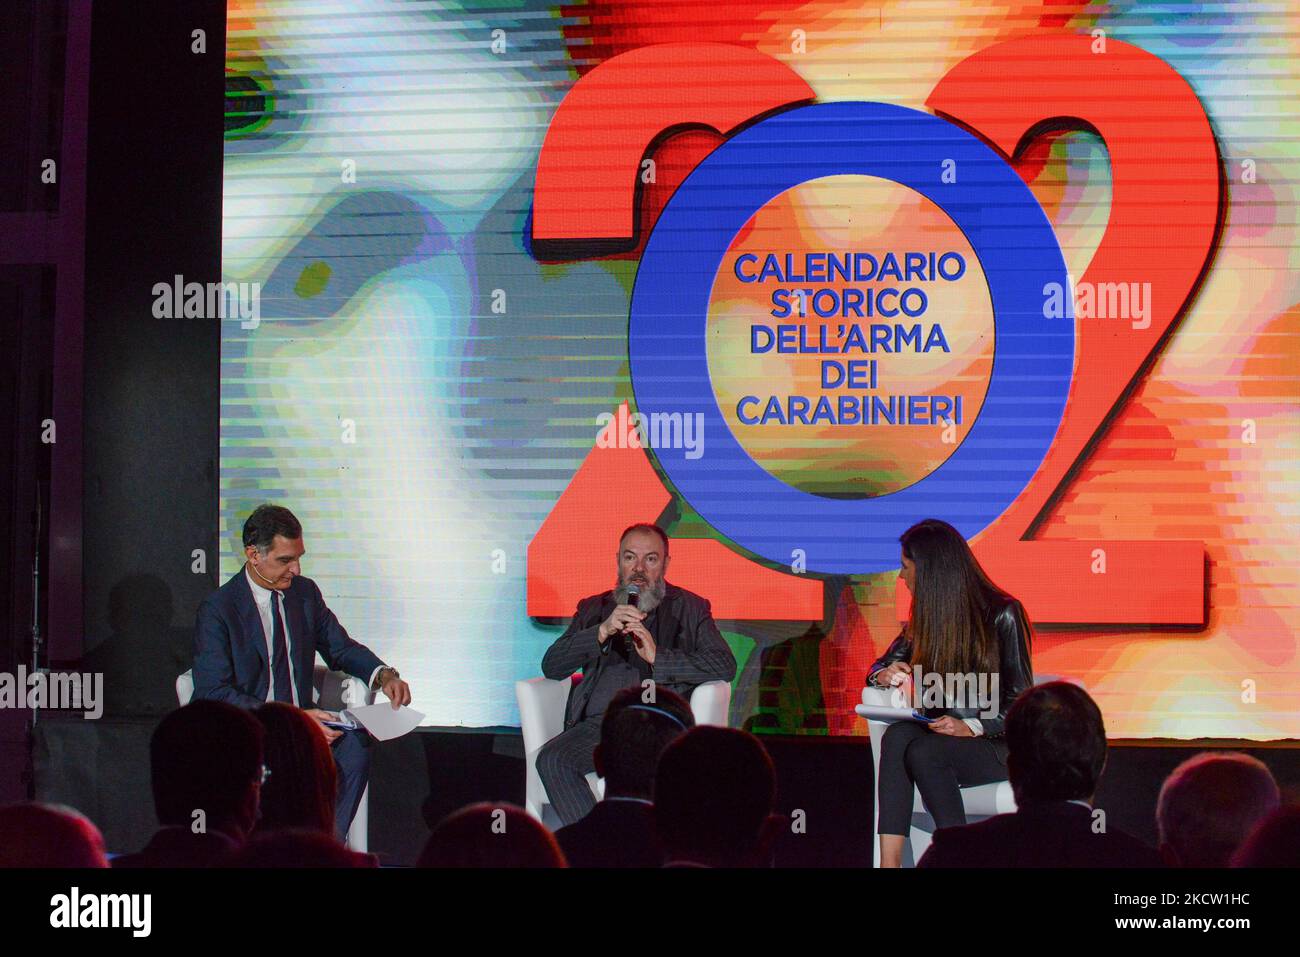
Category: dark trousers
[939,766]
[563,764]
[352,759]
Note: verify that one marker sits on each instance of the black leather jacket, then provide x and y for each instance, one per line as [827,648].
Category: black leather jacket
[1010,623]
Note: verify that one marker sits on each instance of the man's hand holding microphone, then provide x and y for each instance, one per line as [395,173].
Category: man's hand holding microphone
[626,620]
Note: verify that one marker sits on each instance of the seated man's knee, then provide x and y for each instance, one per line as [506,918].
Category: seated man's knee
[352,752]
[549,758]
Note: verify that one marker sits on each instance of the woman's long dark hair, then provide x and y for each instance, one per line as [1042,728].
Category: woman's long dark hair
[949,625]
[301,789]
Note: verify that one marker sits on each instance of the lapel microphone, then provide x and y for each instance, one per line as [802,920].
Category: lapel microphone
[270,584]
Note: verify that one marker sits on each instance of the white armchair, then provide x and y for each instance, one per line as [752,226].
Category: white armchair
[331,691]
[541,717]
[981,801]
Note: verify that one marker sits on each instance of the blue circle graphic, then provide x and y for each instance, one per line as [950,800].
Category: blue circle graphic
[1033,355]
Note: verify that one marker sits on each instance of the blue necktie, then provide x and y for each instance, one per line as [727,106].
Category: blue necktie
[280,653]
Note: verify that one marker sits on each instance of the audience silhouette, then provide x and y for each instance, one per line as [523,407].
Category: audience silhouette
[714,793]
[620,830]
[491,835]
[206,772]
[48,835]
[1209,805]
[1056,751]
[302,782]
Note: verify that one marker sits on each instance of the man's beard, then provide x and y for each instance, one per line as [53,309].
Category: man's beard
[648,596]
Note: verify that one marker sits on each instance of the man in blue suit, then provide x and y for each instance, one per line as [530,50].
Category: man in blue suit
[256,641]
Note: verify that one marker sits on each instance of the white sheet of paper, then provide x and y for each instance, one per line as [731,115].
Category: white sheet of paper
[886,713]
[385,723]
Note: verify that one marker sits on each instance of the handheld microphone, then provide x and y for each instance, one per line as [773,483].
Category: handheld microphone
[633,596]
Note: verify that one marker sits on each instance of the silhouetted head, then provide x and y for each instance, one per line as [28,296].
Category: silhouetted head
[714,793]
[300,789]
[633,735]
[207,757]
[490,835]
[1208,806]
[1056,743]
[297,847]
[48,835]
[1275,842]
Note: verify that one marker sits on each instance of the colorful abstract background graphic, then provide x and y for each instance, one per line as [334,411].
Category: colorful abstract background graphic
[446,205]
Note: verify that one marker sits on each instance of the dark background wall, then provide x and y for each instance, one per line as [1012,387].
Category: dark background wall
[146,390]
[151,385]
[33,38]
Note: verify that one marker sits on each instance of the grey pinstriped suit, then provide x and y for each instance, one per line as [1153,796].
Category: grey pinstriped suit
[689,651]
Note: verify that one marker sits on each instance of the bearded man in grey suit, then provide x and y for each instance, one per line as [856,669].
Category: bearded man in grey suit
[643,629]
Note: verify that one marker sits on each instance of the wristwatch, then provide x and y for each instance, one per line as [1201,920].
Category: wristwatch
[383,675]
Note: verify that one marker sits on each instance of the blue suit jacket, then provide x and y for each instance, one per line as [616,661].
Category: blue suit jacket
[230,661]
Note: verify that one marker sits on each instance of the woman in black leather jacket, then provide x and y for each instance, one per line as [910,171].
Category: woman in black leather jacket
[967,642]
